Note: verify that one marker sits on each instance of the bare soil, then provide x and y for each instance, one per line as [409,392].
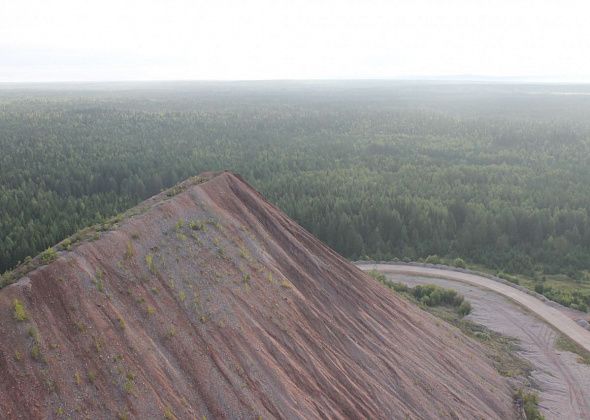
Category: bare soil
[209,301]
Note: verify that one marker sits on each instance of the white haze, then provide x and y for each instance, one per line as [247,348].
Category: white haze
[52,40]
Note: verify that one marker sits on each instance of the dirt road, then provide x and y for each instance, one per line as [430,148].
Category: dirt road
[562,381]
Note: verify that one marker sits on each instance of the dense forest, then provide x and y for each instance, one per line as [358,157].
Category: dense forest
[496,174]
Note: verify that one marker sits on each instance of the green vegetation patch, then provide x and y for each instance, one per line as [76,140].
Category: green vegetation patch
[428,295]
[149,259]
[529,402]
[508,277]
[20,314]
[48,255]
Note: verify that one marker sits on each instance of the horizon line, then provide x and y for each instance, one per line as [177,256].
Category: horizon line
[433,78]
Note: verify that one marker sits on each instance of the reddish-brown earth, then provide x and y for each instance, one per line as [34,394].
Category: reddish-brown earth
[241,314]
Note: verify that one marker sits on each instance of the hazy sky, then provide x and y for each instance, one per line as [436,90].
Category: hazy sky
[47,40]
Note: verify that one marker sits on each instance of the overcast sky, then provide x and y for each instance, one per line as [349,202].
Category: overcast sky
[51,40]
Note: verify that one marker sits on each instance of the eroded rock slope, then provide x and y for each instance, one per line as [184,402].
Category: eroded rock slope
[208,301]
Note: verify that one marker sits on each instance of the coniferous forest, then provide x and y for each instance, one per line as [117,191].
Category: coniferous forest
[496,174]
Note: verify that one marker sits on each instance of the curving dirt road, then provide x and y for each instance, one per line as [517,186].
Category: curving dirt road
[563,383]
[551,315]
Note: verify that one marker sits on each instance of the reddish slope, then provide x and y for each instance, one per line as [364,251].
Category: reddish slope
[247,315]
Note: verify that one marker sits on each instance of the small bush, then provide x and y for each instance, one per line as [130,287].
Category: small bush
[129,383]
[214,223]
[437,295]
[98,280]
[36,351]
[400,287]
[129,251]
[459,263]
[195,225]
[98,344]
[508,277]
[539,288]
[6,278]
[32,332]
[123,415]
[91,376]
[482,335]
[20,314]
[244,253]
[149,259]
[48,255]
[432,295]
[429,294]
[464,308]
[377,275]
[530,404]
[425,300]
[432,259]
[67,244]
[169,414]
[171,332]
[175,190]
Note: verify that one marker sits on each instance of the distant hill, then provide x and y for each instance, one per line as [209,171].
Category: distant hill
[206,301]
